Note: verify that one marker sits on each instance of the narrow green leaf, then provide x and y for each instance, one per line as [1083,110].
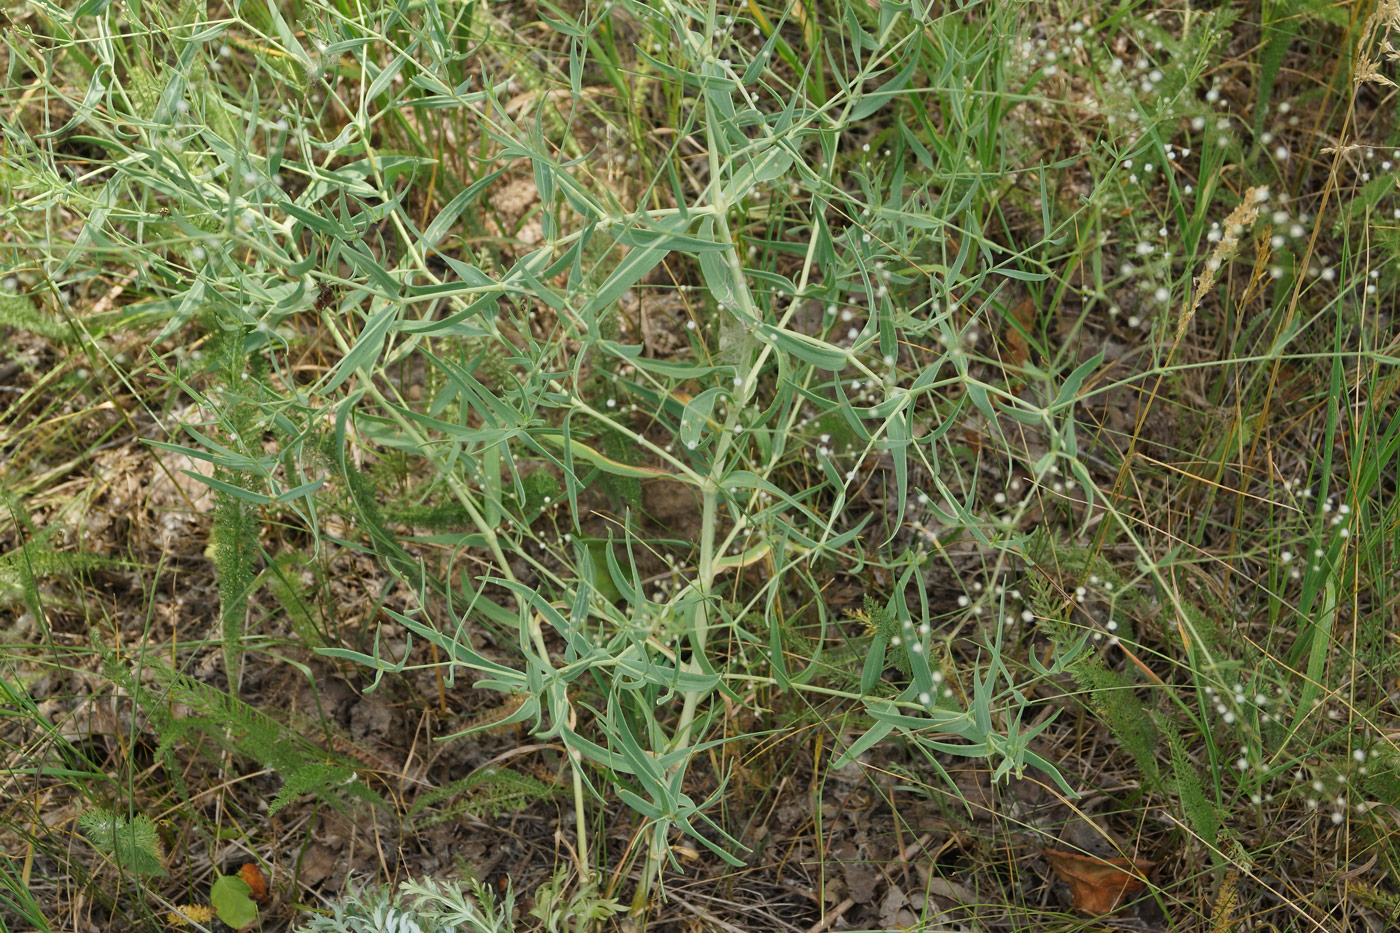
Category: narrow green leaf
[1071,385]
[808,349]
[637,263]
[314,221]
[237,492]
[386,76]
[446,217]
[873,736]
[887,92]
[366,348]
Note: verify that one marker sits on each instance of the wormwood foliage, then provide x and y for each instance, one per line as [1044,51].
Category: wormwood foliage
[134,842]
[1384,902]
[235,549]
[363,495]
[562,909]
[22,568]
[1202,813]
[423,906]
[283,576]
[19,311]
[487,791]
[311,778]
[1116,701]
[1383,780]
[225,722]
[36,559]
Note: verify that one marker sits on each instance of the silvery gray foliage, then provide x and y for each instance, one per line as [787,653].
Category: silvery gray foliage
[417,907]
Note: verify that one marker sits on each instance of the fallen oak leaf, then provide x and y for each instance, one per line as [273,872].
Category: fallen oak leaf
[1099,886]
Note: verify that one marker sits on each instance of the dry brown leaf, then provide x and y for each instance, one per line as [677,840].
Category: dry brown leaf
[1018,352]
[1099,886]
[256,879]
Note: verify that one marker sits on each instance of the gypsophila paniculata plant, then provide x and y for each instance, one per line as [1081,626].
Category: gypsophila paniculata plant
[1002,382]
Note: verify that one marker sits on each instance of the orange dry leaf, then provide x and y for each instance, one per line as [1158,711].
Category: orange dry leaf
[256,879]
[1099,886]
